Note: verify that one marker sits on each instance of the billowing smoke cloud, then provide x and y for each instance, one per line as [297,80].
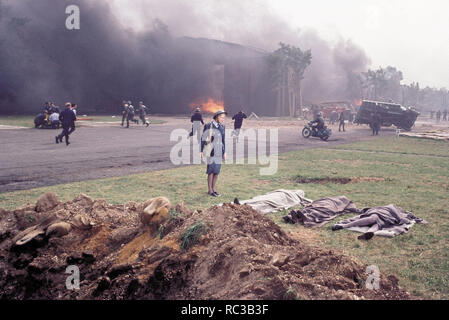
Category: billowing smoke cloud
[106,61]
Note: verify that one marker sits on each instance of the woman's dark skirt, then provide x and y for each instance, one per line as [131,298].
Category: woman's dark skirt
[213,166]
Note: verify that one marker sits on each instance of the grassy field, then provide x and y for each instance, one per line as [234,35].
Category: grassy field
[407,172]
[28,121]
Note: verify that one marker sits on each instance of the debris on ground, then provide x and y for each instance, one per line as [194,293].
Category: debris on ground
[224,252]
[435,134]
[326,180]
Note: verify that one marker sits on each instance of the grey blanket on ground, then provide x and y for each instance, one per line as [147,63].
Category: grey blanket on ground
[391,220]
[321,211]
[277,200]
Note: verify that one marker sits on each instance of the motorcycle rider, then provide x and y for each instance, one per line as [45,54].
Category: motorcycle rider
[318,123]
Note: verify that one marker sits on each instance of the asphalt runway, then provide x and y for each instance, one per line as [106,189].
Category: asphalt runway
[30,158]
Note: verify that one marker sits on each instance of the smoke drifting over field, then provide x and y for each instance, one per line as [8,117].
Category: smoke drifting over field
[105,61]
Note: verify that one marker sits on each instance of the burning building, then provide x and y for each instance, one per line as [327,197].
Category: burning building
[237,77]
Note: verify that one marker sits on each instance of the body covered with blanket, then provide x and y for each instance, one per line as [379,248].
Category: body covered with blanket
[321,211]
[387,221]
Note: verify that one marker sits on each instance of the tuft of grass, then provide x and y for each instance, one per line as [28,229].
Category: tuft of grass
[291,294]
[160,231]
[192,235]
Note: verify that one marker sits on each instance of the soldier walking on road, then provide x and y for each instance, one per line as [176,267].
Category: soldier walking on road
[142,110]
[130,114]
[67,118]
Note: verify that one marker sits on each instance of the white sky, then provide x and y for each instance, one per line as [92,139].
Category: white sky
[410,35]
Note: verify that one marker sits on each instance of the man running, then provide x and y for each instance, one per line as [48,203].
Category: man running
[67,118]
[238,121]
[142,110]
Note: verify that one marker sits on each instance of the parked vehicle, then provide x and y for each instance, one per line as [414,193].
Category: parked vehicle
[390,114]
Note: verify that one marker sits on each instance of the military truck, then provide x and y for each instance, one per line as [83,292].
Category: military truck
[390,113]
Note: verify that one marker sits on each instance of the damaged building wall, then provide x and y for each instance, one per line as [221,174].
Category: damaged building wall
[247,80]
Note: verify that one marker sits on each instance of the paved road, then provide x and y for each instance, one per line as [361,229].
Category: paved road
[29,158]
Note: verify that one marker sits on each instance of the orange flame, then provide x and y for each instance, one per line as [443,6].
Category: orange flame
[210,105]
[358,102]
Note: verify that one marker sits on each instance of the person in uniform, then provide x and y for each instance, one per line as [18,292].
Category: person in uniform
[197,122]
[39,120]
[341,118]
[142,110]
[376,122]
[46,106]
[238,121]
[131,114]
[67,118]
[318,123]
[124,108]
[214,134]
[74,108]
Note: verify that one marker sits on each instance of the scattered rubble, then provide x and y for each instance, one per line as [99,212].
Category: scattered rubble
[237,253]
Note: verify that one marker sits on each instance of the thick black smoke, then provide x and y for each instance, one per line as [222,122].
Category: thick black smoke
[103,63]
[96,66]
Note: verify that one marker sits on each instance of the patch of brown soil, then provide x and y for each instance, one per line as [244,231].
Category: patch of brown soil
[243,255]
[96,241]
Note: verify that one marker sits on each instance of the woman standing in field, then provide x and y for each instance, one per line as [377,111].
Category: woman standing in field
[213,148]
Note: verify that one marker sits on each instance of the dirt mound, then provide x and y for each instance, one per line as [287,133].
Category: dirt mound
[227,252]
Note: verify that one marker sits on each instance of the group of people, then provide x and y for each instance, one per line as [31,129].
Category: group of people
[129,112]
[318,122]
[439,114]
[49,117]
[197,122]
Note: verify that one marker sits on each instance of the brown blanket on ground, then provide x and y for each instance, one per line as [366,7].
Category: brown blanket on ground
[321,211]
[391,220]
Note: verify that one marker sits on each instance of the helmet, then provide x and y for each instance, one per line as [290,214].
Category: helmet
[219,112]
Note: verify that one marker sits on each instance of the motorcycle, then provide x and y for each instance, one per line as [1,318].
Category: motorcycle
[309,131]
